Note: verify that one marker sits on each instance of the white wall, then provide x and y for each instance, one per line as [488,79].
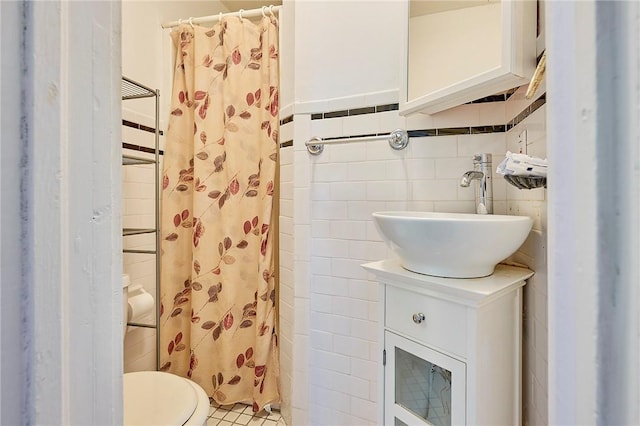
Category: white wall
[594,238]
[346,48]
[13,366]
[63,280]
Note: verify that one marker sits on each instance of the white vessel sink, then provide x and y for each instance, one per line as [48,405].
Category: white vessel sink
[453,245]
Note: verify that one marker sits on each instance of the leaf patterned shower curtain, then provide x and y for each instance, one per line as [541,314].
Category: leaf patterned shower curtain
[217,323]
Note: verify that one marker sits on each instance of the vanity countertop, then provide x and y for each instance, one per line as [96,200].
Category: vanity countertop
[468,291]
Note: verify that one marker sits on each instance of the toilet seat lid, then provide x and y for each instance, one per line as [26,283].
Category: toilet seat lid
[157,398]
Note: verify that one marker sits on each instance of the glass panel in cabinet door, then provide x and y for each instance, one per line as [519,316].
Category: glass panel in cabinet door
[423,388]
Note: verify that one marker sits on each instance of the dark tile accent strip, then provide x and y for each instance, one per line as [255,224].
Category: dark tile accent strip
[510,92]
[354,111]
[488,129]
[454,131]
[365,135]
[495,98]
[335,114]
[148,129]
[538,102]
[354,136]
[444,131]
[140,126]
[360,111]
[286,120]
[286,144]
[492,98]
[140,148]
[527,111]
[388,107]
[422,133]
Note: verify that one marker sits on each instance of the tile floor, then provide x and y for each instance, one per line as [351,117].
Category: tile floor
[241,414]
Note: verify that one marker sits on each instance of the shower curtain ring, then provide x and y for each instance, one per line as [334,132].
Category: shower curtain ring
[240,13]
[179,21]
[264,15]
[273,15]
[220,17]
[191,22]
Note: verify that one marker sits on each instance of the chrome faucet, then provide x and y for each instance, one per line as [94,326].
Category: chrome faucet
[484,190]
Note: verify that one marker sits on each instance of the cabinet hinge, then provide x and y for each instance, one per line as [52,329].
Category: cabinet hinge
[384,357]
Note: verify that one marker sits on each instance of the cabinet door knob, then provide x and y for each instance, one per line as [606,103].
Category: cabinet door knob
[418,318]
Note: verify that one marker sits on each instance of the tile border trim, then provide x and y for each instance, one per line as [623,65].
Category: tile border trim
[445,131]
[139,126]
[420,133]
[140,148]
[527,111]
[395,106]
[355,111]
[286,120]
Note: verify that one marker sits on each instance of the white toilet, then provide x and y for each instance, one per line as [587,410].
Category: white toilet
[157,398]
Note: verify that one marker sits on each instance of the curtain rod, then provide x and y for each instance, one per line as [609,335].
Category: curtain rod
[251,13]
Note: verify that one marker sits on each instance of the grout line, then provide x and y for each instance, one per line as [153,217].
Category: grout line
[238,411]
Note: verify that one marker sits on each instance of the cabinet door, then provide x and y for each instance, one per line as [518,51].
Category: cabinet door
[459,51]
[422,386]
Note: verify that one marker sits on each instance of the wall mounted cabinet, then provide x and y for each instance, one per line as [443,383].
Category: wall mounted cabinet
[462,50]
[452,347]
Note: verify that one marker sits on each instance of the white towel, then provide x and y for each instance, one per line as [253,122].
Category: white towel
[522,165]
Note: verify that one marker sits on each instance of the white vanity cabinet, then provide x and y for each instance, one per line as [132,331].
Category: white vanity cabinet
[452,347]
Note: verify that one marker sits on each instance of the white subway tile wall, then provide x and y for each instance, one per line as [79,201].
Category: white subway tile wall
[287,283]
[336,193]
[295,219]
[138,186]
[533,253]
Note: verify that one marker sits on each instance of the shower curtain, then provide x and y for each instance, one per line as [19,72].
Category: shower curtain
[217,323]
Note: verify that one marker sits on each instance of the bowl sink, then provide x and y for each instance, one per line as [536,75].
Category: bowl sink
[452,245]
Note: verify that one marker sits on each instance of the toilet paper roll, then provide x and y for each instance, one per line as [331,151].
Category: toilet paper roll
[140,306]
